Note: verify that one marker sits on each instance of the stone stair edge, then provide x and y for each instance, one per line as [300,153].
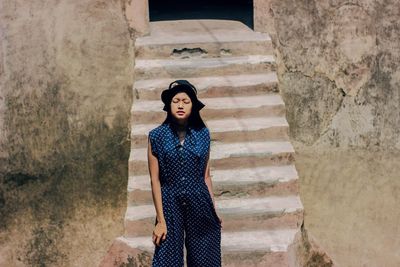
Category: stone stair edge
[267,100]
[216,174]
[142,42]
[240,241]
[277,169]
[164,82]
[248,59]
[194,31]
[274,121]
[279,146]
[233,206]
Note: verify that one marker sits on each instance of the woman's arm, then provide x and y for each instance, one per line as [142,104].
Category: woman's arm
[155,183]
[207,178]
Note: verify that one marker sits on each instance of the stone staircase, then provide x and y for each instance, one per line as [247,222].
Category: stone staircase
[252,160]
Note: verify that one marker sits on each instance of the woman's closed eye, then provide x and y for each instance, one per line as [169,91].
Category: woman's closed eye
[185,101]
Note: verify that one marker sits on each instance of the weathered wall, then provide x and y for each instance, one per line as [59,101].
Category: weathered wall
[65,95]
[351,200]
[65,90]
[340,79]
[339,60]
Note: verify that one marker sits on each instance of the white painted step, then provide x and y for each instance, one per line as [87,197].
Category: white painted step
[260,148]
[209,38]
[235,206]
[245,176]
[199,63]
[151,89]
[226,125]
[199,31]
[243,241]
[221,150]
[228,102]
[157,68]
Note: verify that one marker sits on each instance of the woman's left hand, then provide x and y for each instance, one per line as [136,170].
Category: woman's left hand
[220,220]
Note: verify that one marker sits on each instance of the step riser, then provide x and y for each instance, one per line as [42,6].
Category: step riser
[212,91]
[209,49]
[271,221]
[255,259]
[274,133]
[210,114]
[237,258]
[260,205]
[144,197]
[137,167]
[179,71]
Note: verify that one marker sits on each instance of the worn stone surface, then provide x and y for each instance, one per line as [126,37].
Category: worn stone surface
[121,254]
[65,96]
[351,201]
[339,77]
[339,59]
[64,107]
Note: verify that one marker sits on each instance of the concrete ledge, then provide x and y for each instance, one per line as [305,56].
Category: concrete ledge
[232,207]
[172,68]
[211,86]
[243,241]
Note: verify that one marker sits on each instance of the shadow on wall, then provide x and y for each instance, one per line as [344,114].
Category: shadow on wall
[66,80]
[59,171]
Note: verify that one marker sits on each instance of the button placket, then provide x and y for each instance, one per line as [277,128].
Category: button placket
[181,159]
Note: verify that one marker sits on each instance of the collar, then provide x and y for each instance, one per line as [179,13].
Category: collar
[190,139]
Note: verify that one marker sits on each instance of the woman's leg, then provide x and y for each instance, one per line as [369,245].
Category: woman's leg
[203,233]
[170,251]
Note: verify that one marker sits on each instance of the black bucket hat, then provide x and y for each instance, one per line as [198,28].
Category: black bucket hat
[181,86]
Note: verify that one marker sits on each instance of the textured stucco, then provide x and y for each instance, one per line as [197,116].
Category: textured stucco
[65,96]
[351,204]
[339,77]
[339,59]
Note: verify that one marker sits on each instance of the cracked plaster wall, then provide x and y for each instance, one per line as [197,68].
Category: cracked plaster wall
[339,59]
[338,67]
[65,97]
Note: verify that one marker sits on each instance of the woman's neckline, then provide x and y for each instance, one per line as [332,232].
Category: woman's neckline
[180,130]
[179,127]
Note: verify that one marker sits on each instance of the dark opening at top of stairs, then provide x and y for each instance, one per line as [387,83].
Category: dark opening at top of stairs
[240,10]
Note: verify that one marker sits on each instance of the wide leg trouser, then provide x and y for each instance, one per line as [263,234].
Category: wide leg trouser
[191,222]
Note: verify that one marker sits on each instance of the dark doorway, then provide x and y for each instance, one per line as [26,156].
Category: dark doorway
[241,10]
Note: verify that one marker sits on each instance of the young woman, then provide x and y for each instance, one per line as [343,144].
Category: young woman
[178,160]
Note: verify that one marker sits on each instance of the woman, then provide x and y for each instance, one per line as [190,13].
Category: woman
[178,160]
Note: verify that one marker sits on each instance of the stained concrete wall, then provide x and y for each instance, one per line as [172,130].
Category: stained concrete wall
[65,96]
[340,79]
[339,60]
[65,85]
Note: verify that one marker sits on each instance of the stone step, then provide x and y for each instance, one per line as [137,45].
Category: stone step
[237,213]
[200,67]
[228,130]
[249,106]
[201,38]
[246,182]
[257,248]
[229,155]
[211,86]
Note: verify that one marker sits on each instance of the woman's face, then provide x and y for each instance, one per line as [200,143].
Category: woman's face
[181,106]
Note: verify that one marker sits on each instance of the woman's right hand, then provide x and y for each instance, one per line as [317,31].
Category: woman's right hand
[159,233]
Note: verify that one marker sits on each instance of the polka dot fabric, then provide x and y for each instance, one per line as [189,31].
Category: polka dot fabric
[188,208]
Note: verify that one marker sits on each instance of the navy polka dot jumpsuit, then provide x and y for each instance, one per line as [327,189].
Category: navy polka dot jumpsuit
[187,204]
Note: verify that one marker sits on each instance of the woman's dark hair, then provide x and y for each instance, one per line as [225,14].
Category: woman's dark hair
[194,120]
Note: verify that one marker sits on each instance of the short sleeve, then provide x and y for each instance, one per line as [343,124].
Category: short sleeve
[153,143]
